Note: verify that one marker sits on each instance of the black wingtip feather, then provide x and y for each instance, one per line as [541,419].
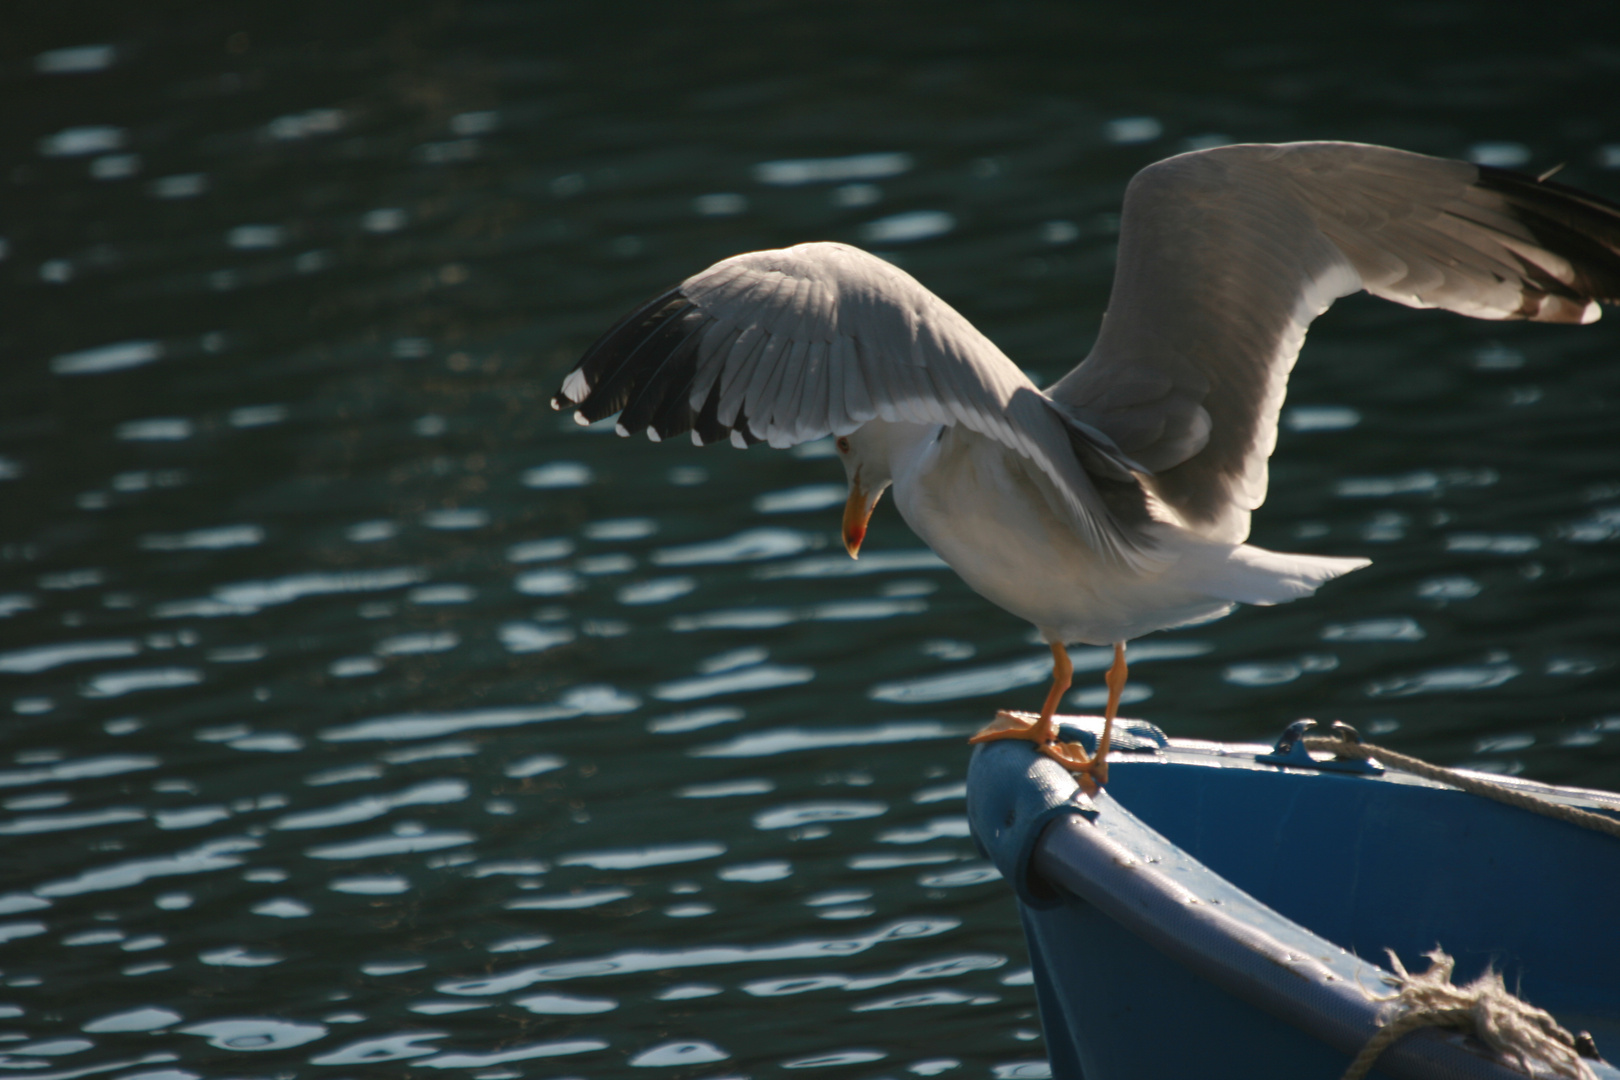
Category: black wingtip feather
[634,354]
[644,368]
[607,353]
[1578,226]
[665,380]
[707,422]
[739,427]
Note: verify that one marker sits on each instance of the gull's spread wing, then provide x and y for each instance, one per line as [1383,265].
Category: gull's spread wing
[1226,255]
[791,345]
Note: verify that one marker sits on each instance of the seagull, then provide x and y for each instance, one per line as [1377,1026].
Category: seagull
[1116,501]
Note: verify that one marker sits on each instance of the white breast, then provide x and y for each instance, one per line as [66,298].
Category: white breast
[989,513]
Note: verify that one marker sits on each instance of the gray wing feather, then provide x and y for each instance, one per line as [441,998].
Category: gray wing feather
[857,398]
[1226,255]
[791,345]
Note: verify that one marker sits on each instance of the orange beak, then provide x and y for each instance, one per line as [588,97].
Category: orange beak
[857,512]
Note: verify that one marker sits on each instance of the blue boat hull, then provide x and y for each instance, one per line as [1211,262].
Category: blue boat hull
[1212,915]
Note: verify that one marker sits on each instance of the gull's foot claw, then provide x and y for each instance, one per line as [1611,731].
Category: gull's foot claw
[1071,756]
[1090,771]
[1091,774]
[1008,725]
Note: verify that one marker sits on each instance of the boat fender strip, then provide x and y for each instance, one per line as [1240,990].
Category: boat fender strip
[1026,793]
[1022,793]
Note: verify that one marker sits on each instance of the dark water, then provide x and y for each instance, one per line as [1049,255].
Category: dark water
[361,709]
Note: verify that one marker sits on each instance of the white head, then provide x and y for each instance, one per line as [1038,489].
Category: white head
[869,454]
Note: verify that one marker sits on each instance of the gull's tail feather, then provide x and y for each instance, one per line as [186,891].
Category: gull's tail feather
[1253,575]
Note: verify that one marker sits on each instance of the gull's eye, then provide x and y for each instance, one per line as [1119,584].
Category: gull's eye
[843,444]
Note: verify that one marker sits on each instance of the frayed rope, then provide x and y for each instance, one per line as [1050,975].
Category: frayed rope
[1521,1035]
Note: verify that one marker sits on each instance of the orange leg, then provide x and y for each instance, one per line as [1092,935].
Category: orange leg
[1042,731]
[1062,679]
[1039,730]
[1116,685]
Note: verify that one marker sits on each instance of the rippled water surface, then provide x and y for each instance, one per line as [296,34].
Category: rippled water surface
[360,709]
